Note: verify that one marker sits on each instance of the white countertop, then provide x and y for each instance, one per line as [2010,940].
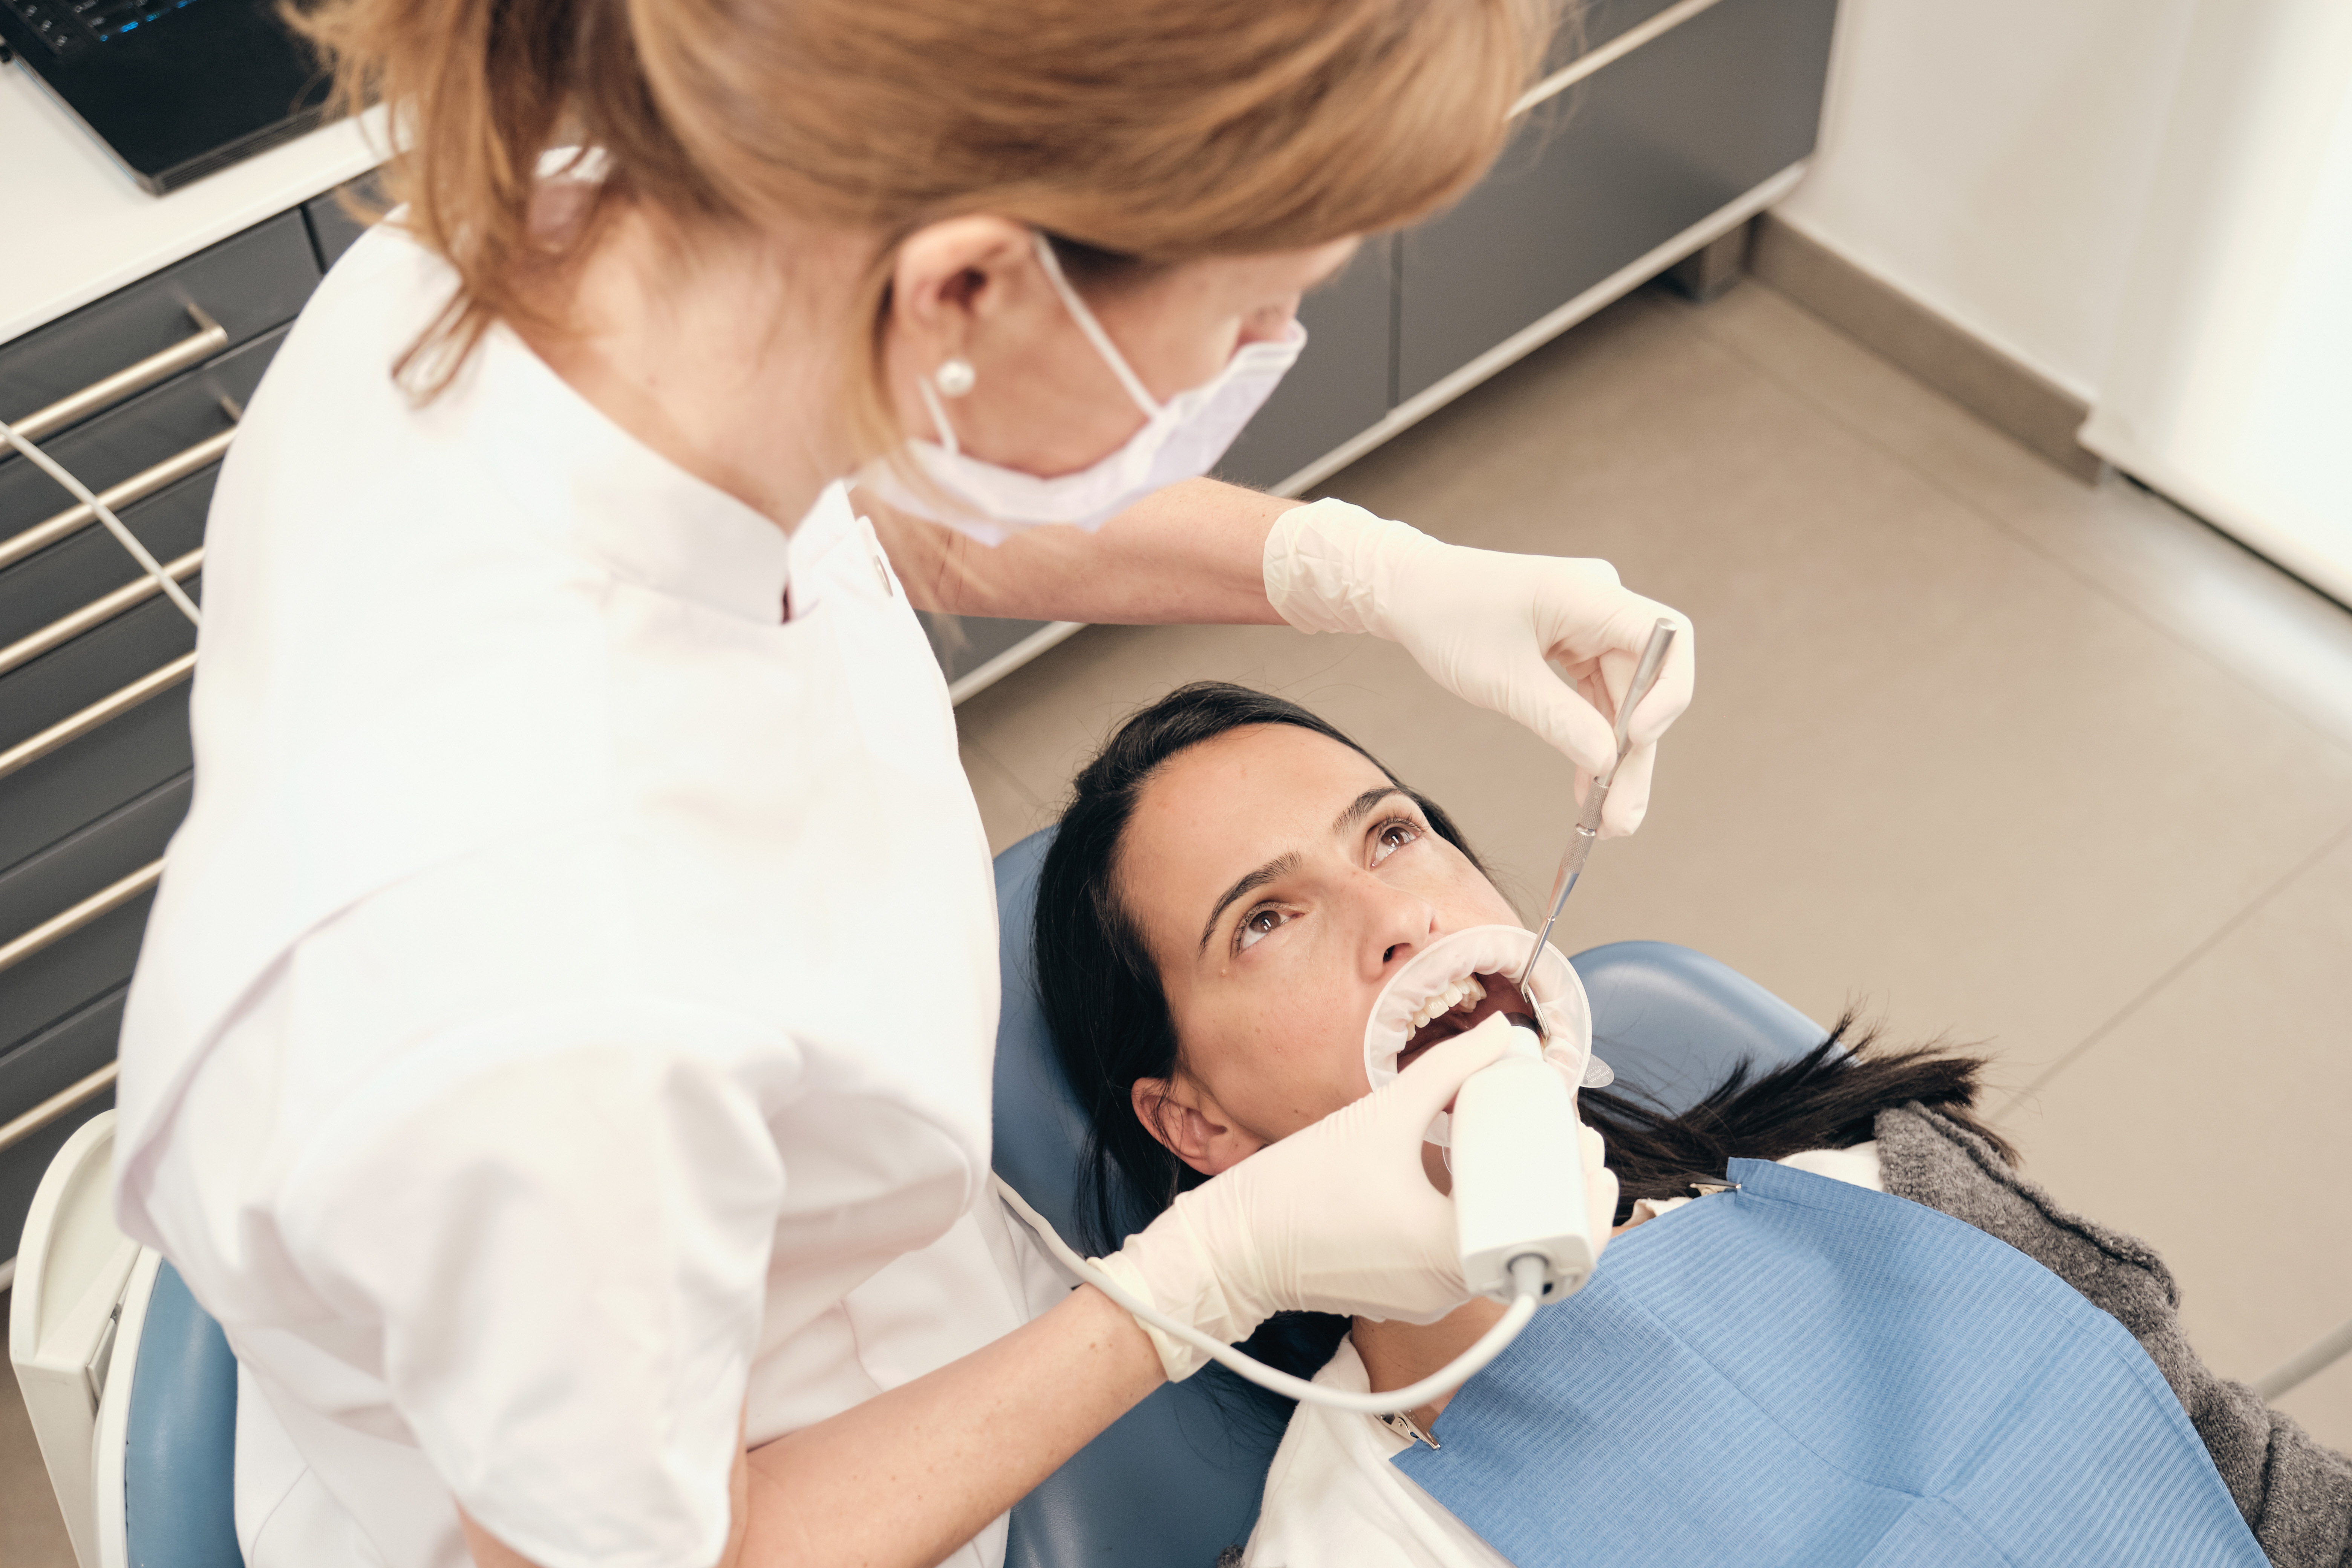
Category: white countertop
[74,227]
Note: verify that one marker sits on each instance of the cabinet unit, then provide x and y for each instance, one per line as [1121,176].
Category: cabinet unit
[137,394]
[1610,170]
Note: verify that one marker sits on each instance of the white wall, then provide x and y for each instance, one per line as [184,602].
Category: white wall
[1994,160]
[2231,385]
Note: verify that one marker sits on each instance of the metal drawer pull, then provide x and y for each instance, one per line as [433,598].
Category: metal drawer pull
[1615,50]
[211,337]
[114,525]
[57,1105]
[104,901]
[137,487]
[97,713]
[67,627]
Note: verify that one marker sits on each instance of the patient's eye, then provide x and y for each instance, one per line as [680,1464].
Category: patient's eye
[1260,921]
[1392,836]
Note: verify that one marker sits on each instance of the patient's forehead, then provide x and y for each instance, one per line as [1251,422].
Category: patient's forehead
[1222,809]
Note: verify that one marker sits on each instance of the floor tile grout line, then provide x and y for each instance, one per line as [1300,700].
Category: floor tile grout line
[1943,488]
[1003,773]
[2179,967]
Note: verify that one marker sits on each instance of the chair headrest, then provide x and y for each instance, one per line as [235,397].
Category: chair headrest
[1040,1132]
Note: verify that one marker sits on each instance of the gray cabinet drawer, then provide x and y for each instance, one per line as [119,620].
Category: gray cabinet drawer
[1598,24]
[333,229]
[88,565]
[250,283]
[1339,385]
[60,981]
[49,797]
[55,1059]
[91,858]
[134,436]
[1638,151]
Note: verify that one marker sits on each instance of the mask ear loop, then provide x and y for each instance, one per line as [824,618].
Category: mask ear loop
[1092,328]
[938,416]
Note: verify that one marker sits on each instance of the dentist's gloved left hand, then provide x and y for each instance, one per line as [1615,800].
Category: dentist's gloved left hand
[1488,627]
[1336,1217]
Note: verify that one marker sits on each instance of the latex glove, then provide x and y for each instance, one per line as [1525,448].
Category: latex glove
[1338,1217]
[1486,626]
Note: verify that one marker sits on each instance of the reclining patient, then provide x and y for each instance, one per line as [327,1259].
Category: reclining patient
[1232,886]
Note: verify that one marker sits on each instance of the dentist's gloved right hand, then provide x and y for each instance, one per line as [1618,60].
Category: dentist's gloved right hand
[1492,628]
[1338,1217]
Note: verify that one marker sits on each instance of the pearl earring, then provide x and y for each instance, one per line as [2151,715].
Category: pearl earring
[955,377]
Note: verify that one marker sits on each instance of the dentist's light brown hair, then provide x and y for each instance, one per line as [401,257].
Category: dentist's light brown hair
[1159,131]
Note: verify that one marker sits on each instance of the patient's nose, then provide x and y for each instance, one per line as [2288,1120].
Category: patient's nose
[1397,925]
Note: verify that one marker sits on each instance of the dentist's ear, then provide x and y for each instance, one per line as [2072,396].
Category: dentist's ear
[948,275]
[1187,1121]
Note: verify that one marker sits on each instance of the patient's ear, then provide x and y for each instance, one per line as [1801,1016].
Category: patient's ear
[1185,1117]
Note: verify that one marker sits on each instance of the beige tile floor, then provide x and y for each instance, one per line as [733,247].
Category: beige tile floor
[1995,755]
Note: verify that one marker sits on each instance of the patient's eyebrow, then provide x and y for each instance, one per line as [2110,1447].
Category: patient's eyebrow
[1280,866]
[1361,806]
[1283,865]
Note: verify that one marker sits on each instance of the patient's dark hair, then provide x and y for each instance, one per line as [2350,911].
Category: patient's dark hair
[1111,1027]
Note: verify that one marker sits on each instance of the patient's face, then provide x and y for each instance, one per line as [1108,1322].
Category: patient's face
[1280,881]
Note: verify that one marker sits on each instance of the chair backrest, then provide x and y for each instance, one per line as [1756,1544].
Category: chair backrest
[71,1266]
[131,1385]
[179,1443]
[1672,1022]
[1174,1481]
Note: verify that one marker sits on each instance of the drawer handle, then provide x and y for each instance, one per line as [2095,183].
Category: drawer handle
[104,901]
[97,612]
[1615,50]
[137,487]
[209,338]
[57,1105]
[99,712]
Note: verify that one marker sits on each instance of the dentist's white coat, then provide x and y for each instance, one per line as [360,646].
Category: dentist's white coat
[570,1006]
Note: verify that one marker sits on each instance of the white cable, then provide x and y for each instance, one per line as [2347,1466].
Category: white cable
[122,536]
[1527,1277]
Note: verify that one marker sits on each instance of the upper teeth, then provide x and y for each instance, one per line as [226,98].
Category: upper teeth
[1464,994]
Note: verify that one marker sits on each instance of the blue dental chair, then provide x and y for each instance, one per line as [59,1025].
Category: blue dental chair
[1175,1481]
[1170,1485]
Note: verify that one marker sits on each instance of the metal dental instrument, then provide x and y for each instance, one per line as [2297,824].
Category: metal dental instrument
[1588,826]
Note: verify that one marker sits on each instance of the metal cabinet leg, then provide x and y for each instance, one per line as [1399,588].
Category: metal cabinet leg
[1714,267]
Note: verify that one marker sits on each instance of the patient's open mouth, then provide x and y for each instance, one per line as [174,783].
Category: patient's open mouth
[1464,1005]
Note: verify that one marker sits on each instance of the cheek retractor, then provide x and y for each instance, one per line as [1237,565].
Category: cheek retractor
[1513,1140]
[1443,978]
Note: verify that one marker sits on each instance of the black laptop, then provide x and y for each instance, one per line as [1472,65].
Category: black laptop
[174,89]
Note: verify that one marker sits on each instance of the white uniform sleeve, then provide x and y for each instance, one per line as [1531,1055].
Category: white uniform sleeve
[565,1254]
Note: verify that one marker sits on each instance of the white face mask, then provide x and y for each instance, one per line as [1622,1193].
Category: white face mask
[1181,440]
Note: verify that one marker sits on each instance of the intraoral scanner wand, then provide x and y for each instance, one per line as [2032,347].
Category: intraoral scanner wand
[1588,826]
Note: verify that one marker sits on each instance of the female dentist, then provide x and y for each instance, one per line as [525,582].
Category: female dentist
[561,1054]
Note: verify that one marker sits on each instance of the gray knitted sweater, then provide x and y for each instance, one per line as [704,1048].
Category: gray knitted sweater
[2296,1495]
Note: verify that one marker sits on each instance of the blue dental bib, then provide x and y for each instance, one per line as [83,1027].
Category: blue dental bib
[1810,1374]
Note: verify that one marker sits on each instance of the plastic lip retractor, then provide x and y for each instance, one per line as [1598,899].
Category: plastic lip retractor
[1562,1011]
[1527,1274]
